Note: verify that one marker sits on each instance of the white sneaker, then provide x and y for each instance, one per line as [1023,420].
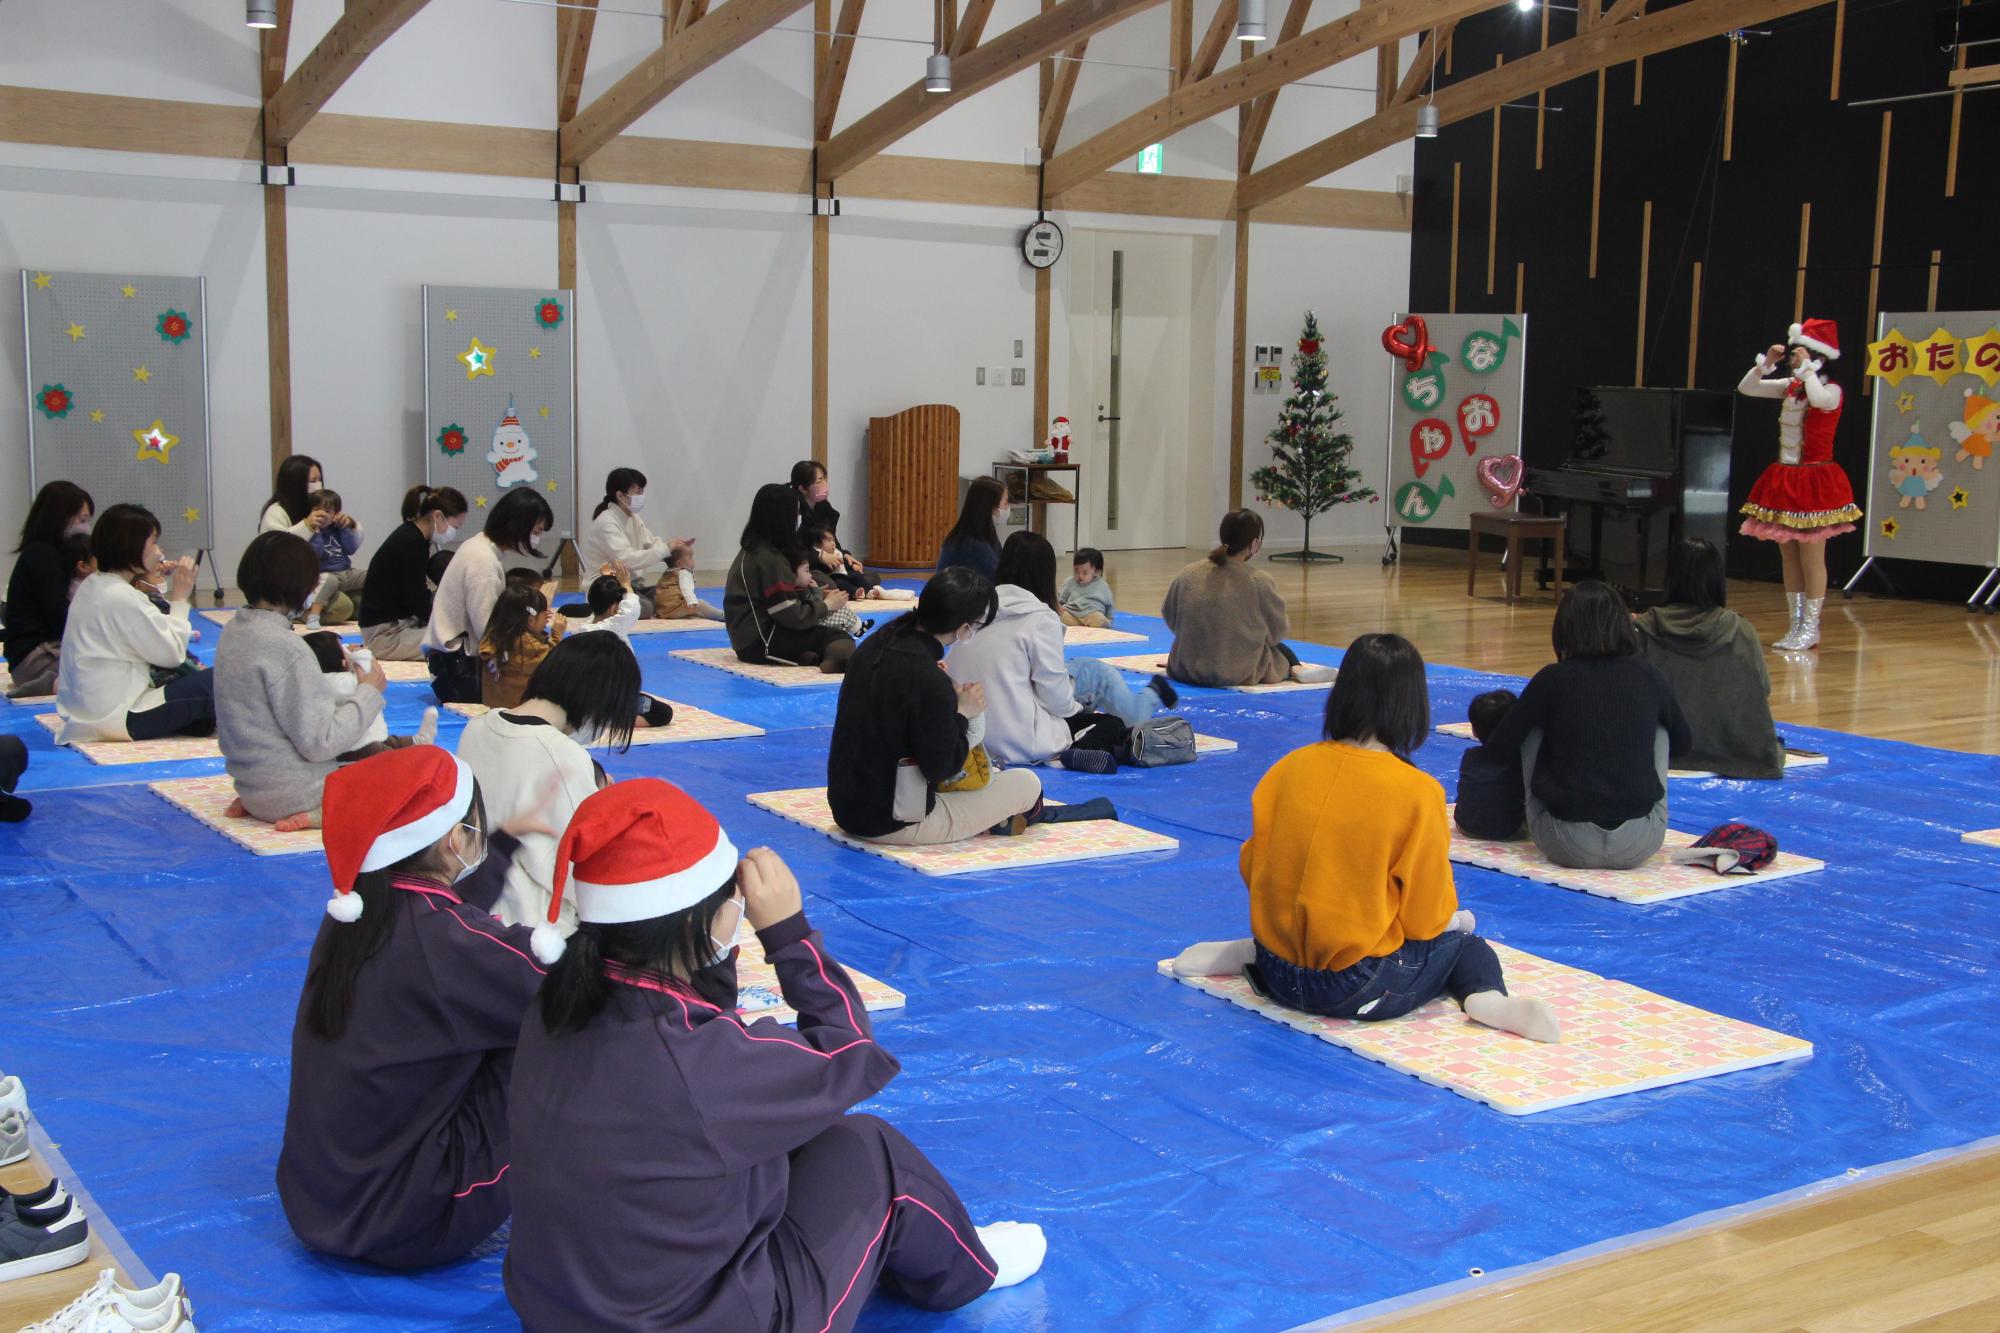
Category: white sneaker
[13,1096]
[13,1138]
[108,1307]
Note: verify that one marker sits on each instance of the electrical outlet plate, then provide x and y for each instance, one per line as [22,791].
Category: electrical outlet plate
[1020,375]
[979,374]
[998,377]
[1017,349]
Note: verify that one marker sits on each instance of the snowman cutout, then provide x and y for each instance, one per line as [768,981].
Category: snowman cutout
[512,454]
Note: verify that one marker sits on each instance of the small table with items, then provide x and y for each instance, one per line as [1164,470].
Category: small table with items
[1038,509]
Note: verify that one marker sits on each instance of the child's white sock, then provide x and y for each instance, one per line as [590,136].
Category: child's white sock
[1462,922]
[427,733]
[1215,958]
[1533,1019]
[1313,675]
[1018,1249]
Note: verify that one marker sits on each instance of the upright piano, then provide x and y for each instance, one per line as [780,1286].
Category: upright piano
[1655,462]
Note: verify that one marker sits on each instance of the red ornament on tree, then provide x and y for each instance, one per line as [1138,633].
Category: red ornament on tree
[1309,347]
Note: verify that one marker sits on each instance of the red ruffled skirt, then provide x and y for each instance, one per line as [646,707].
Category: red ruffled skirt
[1800,502]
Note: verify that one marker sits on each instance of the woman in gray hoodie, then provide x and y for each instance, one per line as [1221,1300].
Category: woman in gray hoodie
[1712,658]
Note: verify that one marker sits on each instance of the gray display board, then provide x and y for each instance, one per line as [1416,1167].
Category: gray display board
[1933,487]
[117,378]
[500,395]
[1463,407]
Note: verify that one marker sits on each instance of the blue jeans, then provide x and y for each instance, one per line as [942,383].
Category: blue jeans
[1454,964]
[187,710]
[1101,688]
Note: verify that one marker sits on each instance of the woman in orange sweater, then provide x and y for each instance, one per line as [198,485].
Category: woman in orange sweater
[1351,900]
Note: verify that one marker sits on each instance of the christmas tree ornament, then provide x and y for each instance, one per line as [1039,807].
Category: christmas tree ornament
[1409,342]
[54,401]
[1309,472]
[1501,475]
[513,454]
[173,326]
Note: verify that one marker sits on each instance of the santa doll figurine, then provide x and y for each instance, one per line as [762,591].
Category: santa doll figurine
[1804,498]
[1059,439]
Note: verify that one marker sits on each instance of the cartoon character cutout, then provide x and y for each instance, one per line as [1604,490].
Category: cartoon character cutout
[1059,439]
[513,454]
[1979,431]
[1913,470]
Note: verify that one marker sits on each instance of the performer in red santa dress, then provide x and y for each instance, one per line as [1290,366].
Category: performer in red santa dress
[1804,498]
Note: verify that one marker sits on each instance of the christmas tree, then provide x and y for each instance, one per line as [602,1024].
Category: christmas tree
[1308,473]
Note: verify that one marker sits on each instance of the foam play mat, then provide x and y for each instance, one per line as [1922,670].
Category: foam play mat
[725,659]
[1075,634]
[406,673]
[685,626]
[222,615]
[1660,880]
[208,798]
[1041,845]
[758,995]
[1155,664]
[689,724]
[1983,838]
[1213,744]
[1617,1039]
[137,752]
[1793,758]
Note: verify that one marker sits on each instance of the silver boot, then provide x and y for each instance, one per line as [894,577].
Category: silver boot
[1808,631]
[1790,639]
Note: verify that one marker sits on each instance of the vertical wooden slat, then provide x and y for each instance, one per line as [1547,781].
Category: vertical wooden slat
[1930,301]
[1596,170]
[1875,254]
[1839,32]
[1951,151]
[821,246]
[1542,98]
[1388,59]
[1180,40]
[1493,198]
[1639,65]
[1729,105]
[912,484]
[1039,423]
[566,245]
[1447,50]
[1799,283]
[1694,322]
[1239,359]
[1520,285]
[278,321]
[1456,171]
[1645,266]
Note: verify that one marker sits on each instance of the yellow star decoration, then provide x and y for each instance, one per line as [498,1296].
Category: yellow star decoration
[191,514]
[1960,498]
[545,411]
[552,487]
[154,442]
[478,360]
[128,291]
[141,374]
[534,353]
[451,317]
[480,501]
[97,414]
[76,332]
[42,281]
[1906,401]
[1889,528]
[1940,357]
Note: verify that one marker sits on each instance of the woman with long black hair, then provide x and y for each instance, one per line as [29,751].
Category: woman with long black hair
[974,541]
[472,583]
[38,590]
[291,509]
[771,609]
[396,596]
[618,536]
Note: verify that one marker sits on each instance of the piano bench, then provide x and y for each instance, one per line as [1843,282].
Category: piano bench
[1515,529]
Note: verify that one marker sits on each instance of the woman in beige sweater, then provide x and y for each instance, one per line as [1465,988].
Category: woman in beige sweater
[1229,620]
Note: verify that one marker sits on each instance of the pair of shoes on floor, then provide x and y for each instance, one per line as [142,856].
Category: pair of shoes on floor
[13,1135]
[36,1240]
[108,1307]
[13,1097]
[1088,761]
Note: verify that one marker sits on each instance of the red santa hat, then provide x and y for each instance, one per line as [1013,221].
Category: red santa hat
[386,809]
[641,849]
[1818,335]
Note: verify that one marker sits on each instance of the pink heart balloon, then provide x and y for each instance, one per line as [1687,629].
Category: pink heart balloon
[1501,476]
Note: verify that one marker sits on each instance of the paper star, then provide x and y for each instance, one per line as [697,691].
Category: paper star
[75,332]
[1960,498]
[1890,528]
[451,316]
[479,501]
[42,281]
[1906,401]
[534,353]
[191,514]
[128,291]
[478,360]
[552,487]
[545,410]
[155,442]
[97,414]
[141,374]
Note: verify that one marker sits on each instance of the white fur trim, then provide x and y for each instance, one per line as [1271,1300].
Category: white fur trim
[611,904]
[344,907]
[1813,344]
[548,944]
[399,844]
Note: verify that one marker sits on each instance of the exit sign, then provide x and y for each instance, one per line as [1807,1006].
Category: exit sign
[1153,160]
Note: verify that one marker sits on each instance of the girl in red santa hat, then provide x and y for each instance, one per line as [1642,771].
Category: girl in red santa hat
[678,1167]
[1804,498]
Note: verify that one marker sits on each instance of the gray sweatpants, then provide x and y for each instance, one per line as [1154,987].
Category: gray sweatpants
[396,641]
[1586,846]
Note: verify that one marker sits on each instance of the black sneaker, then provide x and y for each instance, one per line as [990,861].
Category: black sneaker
[1169,696]
[1088,761]
[27,1249]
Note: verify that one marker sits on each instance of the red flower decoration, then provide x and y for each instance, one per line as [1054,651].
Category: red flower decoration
[55,400]
[173,326]
[451,439]
[548,312]
[1309,346]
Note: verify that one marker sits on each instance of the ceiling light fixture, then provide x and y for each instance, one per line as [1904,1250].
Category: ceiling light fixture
[260,13]
[1427,114]
[1250,21]
[937,73]
[1525,6]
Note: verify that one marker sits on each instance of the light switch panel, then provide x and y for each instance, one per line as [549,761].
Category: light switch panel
[1017,349]
[1020,375]
[979,374]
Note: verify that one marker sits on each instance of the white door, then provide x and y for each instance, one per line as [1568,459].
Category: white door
[1131,318]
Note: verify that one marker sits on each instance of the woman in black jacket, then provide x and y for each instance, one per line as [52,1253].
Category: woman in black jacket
[902,728]
[38,589]
[770,604]
[396,596]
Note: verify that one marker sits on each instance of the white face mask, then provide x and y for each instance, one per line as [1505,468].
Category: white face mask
[636,503]
[80,528]
[735,936]
[447,534]
[964,634]
[467,867]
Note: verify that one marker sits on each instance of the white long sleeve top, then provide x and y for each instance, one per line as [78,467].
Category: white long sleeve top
[615,537]
[472,583]
[114,638]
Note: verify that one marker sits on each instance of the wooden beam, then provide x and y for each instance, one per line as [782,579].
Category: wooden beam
[1729,104]
[272,44]
[1257,112]
[690,51]
[363,26]
[989,63]
[1638,68]
[1213,40]
[1038,420]
[1493,196]
[1180,41]
[1062,86]
[1542,99]
[278,321]
[1421,67]
[1839,37]
[971,26]
[1239,353]
[1645,272]
[1875,254]
[1329,44]
[1597,174]
[822,258]
[574,25]
[1605,46]
[1694,322]
[1951,151]
[1387,58]
[1799,284]
[1930,298]
[839,53]
[1965,78]
[1451,291]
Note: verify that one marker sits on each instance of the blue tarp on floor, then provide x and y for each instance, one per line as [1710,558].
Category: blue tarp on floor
[1193,1166]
